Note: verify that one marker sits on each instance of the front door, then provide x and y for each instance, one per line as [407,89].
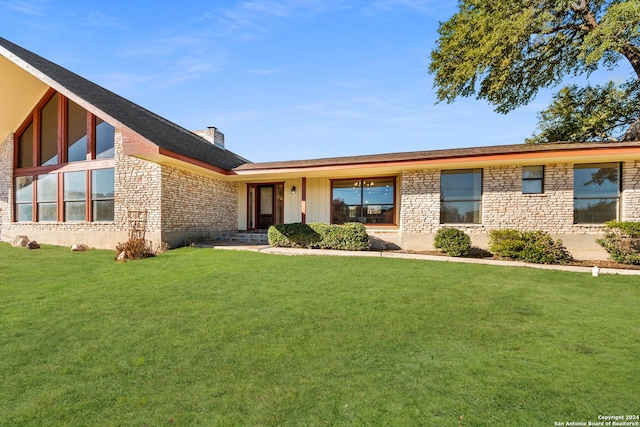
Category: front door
[264,206]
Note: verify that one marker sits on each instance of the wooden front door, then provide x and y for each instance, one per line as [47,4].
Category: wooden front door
[265,206]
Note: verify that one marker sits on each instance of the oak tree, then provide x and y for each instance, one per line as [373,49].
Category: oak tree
[505,51]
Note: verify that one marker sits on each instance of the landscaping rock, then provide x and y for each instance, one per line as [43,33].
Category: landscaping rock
[33,245]
[20,242]
[122,257]
[76,247]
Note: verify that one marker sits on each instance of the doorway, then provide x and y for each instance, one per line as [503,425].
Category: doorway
[265,205]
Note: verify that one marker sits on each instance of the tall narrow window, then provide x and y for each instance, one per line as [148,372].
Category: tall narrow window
[596,192]
[105,135]
[532,179]
[76,133]
[24,198]
[102,194]
[75,196]
[369,201]
[47,195]
[460,196]
[25,148]
[49,132]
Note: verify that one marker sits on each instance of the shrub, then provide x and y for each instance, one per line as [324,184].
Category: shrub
[452,241]
[348,237]
[134,249]
[531,246]
[622,241]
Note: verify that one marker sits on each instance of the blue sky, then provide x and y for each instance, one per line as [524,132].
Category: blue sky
[282,79]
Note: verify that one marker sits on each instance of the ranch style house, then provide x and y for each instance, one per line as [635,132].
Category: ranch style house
[78,163]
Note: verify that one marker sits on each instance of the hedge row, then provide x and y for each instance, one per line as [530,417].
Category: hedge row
[351,236]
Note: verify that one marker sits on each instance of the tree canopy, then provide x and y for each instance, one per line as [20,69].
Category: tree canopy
[505,51]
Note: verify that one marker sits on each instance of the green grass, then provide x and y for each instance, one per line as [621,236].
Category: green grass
[225,338]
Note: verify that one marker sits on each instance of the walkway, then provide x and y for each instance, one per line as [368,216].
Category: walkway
[387,254]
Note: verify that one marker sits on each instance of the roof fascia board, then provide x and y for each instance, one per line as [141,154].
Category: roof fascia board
[136,145]
[621,153]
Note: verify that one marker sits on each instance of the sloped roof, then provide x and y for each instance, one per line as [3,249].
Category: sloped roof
[162,132]
[435,155]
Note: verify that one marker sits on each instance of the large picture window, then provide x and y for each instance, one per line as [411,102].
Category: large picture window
[460,196]
[369,201]
[596,193]
[74,198]
[64,164]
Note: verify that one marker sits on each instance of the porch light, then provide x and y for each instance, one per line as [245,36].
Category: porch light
[293,190]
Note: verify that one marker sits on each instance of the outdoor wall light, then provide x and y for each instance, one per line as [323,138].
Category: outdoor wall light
[293,190]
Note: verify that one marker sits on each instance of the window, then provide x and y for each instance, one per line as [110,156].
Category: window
[25,148]
[47,190]
[104,139]
[57,133]
[76,133]
[102,195]
[532,179]
[65,132]
[596,192]
[460,196]
[75,196]
[24,198]
[49,132]
[369,201]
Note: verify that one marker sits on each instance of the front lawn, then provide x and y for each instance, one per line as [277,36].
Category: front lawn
[225,338]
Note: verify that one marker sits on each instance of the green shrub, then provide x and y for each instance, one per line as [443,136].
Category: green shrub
[622,241]
[530,246]
[452,241]
[351,236]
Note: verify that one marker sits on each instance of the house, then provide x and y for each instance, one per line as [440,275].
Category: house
[79,163]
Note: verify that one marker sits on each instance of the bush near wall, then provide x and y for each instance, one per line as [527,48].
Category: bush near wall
[452,241]
[351,236]
[530,246]
[622,241]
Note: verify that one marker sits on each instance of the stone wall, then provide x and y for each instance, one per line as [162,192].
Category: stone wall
[195,206]
[6,181]
[631,191]
[420,201]
[505,206]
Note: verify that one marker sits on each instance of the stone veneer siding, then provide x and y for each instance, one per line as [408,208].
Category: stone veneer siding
[196,206]
[6,181]
[179,204]
[631,191]
[505,206]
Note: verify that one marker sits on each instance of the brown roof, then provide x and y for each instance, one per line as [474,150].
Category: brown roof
[436,155]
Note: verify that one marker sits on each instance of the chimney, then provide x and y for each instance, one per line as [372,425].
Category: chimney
[213,135]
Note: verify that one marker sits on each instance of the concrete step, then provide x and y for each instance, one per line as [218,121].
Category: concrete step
[244,237]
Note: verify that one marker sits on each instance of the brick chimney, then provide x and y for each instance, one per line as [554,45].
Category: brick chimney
[213,135]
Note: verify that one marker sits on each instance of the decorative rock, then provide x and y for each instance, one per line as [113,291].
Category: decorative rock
[33,245]
[122,257]
[79,247]
[20,242]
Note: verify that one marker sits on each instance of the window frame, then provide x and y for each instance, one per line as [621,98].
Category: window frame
[617,198]
[447,200]
[62,166]
[362,205]
[540,179]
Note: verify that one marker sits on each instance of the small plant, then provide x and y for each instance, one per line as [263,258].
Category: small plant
[530,246]
[134,249]
[452,241]
[622,241]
